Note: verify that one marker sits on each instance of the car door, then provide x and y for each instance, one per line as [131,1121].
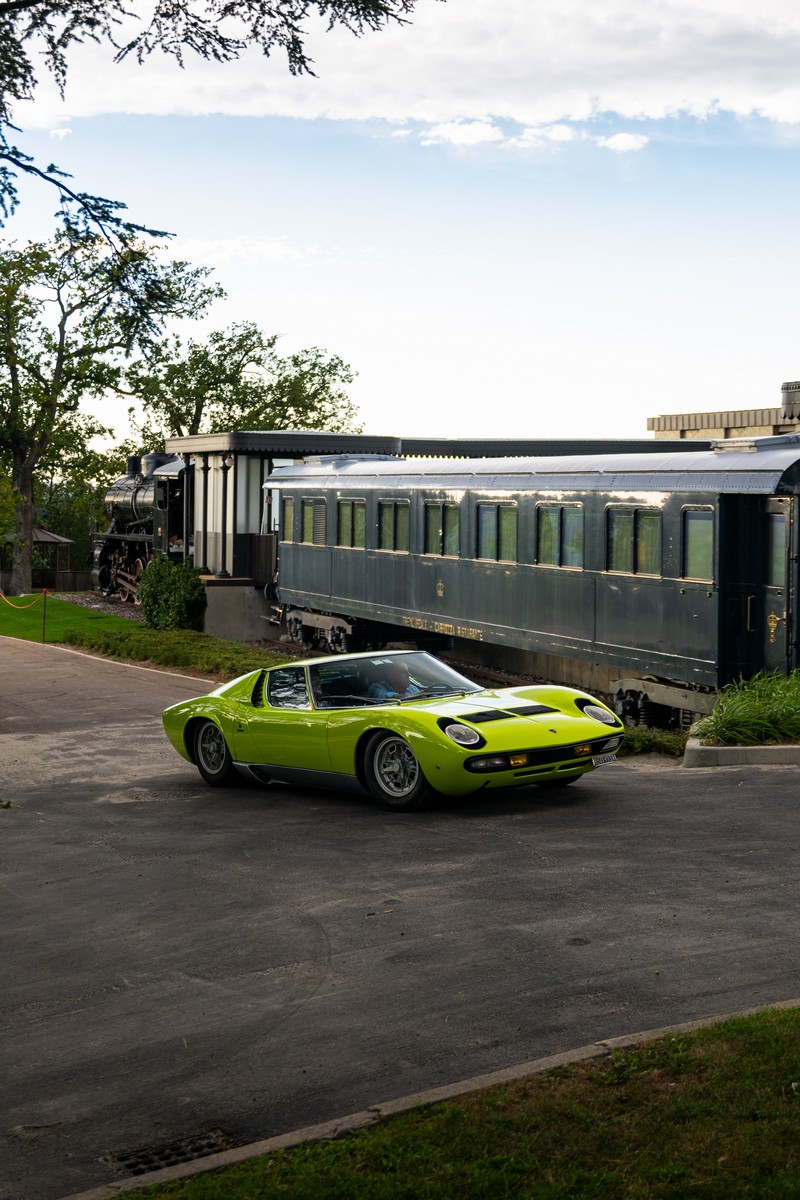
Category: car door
[282,729]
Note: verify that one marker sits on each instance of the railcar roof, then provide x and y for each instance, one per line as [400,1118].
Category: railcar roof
[737,465]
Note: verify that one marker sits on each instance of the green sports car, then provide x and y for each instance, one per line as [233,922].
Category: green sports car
[399,724]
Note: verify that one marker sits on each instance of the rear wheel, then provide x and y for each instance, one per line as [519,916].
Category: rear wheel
[212,756]
[394,775]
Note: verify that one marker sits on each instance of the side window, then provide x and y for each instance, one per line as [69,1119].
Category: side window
[287,519]
[497,532]
[393,525]
[698,544]
[315,526]
[442,529]
[286,688]
[547,536]
[775,541]
[648,543]
[352,523]
[572,536]
[633,541]
[619,540]
[559,535]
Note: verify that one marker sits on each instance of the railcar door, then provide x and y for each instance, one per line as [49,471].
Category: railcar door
[757,590]
[769,606]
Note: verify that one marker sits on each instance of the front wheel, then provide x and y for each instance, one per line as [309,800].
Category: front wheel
[212,756]
[394,775]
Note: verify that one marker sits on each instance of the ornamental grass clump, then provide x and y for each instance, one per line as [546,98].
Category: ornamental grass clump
[761,711]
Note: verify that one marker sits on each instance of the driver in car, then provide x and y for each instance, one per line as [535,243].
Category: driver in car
[394,681]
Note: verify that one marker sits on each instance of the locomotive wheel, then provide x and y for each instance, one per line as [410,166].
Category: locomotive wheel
[139,568]
[394,775]
[212,756]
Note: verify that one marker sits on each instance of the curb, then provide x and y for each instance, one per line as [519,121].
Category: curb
[379,1112]
[696,755]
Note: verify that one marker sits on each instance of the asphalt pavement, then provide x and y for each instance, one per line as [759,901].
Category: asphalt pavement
[182,963]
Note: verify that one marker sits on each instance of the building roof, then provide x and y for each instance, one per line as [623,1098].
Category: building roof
[300,443]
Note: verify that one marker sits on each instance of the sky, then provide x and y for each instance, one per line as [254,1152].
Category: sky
[534,218]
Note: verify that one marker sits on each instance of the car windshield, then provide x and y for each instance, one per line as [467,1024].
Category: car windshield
[384,678]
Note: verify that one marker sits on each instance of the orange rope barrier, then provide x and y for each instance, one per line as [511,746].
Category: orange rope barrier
[44,592]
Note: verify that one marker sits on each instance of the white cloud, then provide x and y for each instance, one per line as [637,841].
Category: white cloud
[623,143]
[463,133]
[60,133]
[464,65]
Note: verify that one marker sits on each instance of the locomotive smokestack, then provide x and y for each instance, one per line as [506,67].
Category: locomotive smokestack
[134,466]
[790,401]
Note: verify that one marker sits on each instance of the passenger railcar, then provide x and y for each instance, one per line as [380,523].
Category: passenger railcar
[659,577]
[146,516]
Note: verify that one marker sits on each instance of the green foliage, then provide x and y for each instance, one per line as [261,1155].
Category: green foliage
[236,379]
[639,740]
[761,711]
[184,650]
[172,595]
[71,311]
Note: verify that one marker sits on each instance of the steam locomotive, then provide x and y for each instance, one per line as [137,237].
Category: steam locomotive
[146,511]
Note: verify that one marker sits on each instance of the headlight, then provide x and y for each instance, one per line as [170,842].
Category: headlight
[600,714]
[463,735]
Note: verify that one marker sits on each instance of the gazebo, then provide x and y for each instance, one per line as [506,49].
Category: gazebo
[52,548]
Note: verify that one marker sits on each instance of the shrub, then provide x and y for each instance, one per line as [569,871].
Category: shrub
[172,596]
[764,710]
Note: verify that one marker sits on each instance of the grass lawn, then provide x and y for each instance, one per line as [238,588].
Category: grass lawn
[29,617]
[711,1114]
[120,637]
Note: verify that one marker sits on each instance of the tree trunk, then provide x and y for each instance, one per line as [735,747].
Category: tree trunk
[21,572]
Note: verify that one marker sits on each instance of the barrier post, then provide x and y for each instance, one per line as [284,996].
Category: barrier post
[44,611]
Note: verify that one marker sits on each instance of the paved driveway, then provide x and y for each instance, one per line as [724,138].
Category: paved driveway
[178,960]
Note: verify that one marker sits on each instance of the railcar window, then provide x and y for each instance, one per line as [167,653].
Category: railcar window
[497,532]
[352,523]
[698,544]
[776,550]
[620,540]
[442,529]
[314,515]
[633,544]
[572,537]
[287,519]
[648,543]
[559,535]
[393,525]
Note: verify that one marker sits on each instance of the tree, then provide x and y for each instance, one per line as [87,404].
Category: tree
[71,482]
[71,311]
[38,34]
[237,380]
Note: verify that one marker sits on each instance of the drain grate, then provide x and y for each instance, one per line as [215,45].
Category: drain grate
[172,1154]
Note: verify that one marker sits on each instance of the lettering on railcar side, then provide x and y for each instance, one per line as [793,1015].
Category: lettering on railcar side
[445,627]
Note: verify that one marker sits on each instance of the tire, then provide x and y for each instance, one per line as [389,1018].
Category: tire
[212,756]
[393,774]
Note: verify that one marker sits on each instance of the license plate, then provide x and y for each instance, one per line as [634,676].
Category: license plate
[600,760]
